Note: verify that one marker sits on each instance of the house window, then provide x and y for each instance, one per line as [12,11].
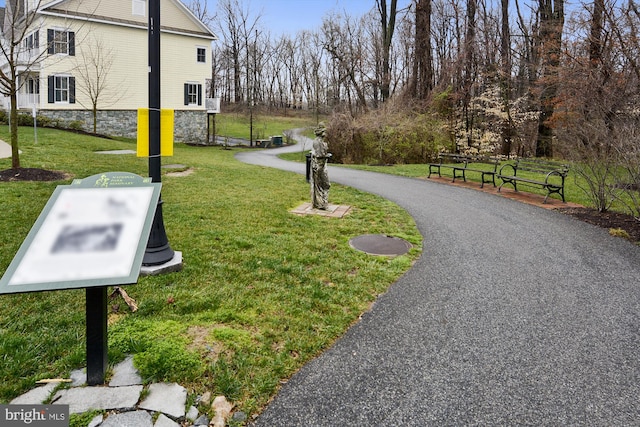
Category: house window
[33,86]
[201,54]
[138,7]
[32,41]
[61,42]
[192,94]
[62,89]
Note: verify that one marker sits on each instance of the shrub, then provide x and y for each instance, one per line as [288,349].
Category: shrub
[386,136]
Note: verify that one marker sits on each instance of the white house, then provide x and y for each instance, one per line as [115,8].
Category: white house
[79,53]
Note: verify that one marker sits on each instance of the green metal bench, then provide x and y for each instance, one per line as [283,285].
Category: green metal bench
[461,164]
[551,175]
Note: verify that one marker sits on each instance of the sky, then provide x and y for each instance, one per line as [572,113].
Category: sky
[291,16]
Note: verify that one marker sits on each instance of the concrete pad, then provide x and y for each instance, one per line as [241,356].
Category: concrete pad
[129,419]
[169,399]
[332,211]
[124,374]
[84,399]
[175,264]
[164,421]
[116,152]
[36,396]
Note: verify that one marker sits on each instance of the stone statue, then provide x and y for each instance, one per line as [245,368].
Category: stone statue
[319,178]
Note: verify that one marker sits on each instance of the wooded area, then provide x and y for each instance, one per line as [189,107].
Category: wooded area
[531,78]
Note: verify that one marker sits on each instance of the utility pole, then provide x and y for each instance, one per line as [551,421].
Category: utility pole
[158,250]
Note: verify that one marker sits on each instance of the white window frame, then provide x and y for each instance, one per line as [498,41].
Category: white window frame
[204,54]
[32,41]
[192,93]
[32,85]
[60,46]
[58,91]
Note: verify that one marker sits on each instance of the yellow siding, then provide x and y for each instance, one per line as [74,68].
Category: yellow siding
[128,82]
[171,15]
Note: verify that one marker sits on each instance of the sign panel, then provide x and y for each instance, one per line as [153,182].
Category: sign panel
[90,233]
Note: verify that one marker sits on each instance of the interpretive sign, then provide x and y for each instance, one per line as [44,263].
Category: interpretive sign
[90,234]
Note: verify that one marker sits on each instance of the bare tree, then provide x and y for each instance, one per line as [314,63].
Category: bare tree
[551,26]
[343,42]
[387,27]
[505,76]
[20,58]
[200,9]
[94,78]
[422,81]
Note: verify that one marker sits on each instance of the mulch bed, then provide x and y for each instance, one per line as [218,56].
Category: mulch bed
[31,174]
[607,220]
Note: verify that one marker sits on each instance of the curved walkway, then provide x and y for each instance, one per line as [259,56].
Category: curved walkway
[513,315]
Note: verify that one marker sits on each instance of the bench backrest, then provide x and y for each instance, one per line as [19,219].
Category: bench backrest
[461,158]
[541,166]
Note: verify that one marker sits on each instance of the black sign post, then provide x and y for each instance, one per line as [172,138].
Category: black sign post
[91,234]
[158,249]
[96,318]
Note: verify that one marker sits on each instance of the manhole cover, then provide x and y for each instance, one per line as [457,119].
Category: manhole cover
[380,244]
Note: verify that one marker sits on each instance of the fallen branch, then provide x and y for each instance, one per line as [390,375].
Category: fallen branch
[133,306]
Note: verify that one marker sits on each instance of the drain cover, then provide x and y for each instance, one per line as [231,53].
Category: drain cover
[380,244]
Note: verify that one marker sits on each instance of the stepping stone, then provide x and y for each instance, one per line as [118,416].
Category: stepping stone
[129,419]
[164,421]
[36,396]
[170,399]
[96,421]
[192,413]
[84,399]
[124,374]
[78,377]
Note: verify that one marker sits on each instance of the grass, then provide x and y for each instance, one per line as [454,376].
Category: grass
[573,181]
[262,291]
[238,125]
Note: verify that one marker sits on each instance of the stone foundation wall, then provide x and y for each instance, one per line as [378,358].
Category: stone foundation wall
[189,126]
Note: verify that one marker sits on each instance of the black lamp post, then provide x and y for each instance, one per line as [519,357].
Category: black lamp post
[158,250]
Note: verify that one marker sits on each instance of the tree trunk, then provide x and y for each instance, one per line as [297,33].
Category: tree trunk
[422,82]
[13,114]
[551,24]
[469,72]
[505,78]
[388,23]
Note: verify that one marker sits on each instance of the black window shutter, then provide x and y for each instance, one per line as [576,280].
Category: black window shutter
[72,43]
[51,89]
[186,94]
[72,90]
[50,42]
[199,94]
[36,39]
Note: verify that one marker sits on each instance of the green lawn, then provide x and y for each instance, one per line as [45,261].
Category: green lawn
[262,291]
[573,181]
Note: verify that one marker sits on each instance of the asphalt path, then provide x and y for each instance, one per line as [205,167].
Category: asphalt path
[513,315]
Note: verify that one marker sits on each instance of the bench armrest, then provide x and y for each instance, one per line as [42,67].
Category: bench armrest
[561,173]
[511,166]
